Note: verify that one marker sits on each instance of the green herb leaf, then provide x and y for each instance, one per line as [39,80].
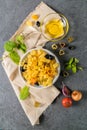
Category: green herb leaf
[73,64]
[80,68]
[20,39]
[74,69]
[68,67]
[66,63]
[20,42]
[22,47]
[9,45]
[24,93]
[71,60]
[14,56]
[76,60]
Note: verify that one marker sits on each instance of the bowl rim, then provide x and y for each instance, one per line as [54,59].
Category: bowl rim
[49,52]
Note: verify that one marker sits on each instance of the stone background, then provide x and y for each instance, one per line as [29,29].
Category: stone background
[12,116]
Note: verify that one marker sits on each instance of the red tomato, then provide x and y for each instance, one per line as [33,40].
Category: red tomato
[67,102]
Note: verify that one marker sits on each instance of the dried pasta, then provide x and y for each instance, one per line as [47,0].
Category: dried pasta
[38,69]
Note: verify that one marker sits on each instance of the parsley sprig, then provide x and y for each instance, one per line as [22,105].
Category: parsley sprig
[72,65]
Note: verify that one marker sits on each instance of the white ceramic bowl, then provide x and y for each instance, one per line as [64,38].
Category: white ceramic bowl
[49,52]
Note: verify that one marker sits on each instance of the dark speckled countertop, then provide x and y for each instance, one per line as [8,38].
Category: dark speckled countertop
[12,116]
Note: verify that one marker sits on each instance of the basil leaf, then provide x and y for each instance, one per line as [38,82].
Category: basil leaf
[76,60]
[14,56]
[80,68]
[73,64]
[24,93]
[22,47]
[20,38]
[66,63]
[71,60]
[20,41]
[74,69]
[9,45]
[68,67]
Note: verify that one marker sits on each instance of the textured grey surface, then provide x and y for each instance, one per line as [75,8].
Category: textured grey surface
[12,117]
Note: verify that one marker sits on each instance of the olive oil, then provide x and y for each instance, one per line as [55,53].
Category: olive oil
[54,28]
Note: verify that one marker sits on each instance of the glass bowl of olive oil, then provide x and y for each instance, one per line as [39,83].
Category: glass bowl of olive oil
[54,26]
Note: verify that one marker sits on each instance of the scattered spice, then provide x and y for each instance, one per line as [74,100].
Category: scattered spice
[62,44]
[54,46]
[37,104]
[70,39]
[65,74]
[30,23]
[61,52]
[35,16]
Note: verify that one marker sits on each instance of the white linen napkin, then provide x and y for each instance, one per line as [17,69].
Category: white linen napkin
[44,96]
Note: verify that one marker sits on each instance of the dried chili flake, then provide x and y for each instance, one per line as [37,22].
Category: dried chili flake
[70,39]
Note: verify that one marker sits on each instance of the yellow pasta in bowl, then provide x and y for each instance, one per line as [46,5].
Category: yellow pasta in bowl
[39,68]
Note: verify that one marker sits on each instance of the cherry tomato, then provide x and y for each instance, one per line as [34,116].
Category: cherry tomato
[67,102]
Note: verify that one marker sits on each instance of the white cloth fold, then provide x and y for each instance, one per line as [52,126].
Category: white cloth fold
[45,96]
